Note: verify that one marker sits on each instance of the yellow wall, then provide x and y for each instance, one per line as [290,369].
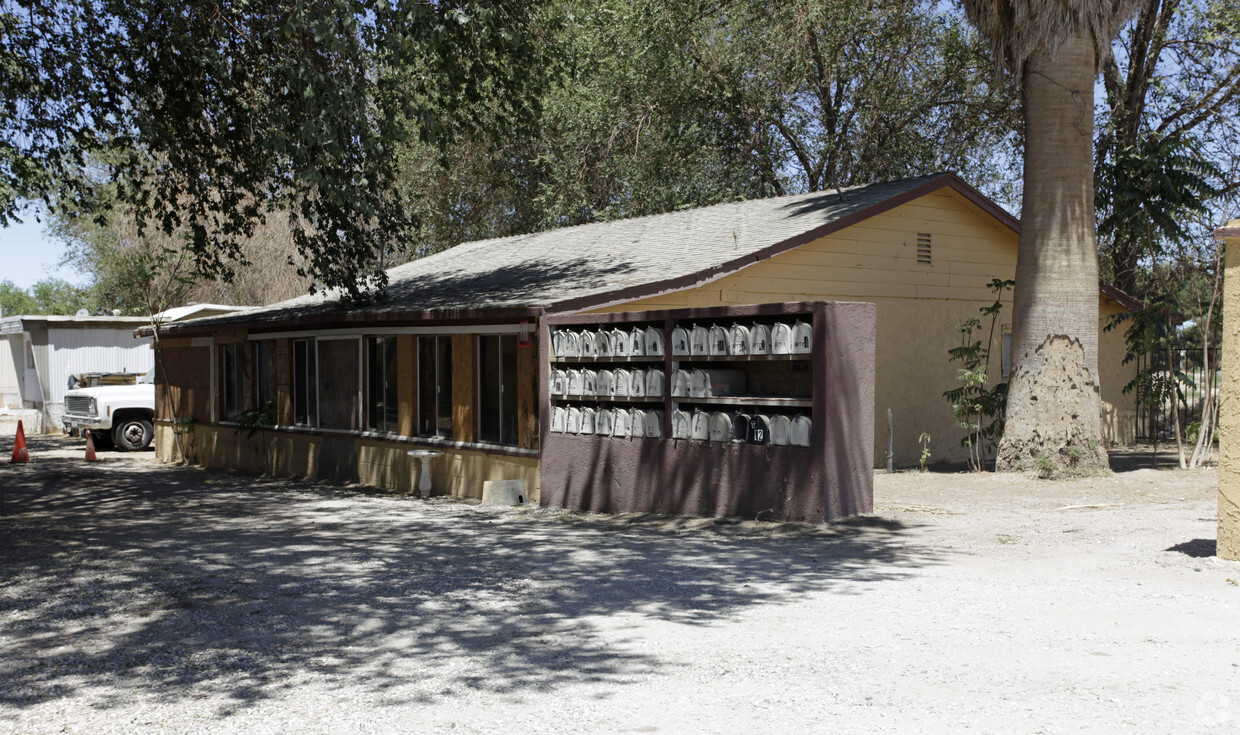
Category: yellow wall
[1228,543]
[918,306]
[378,463]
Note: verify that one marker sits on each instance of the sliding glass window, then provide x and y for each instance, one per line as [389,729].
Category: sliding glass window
[435,386]
[497,389]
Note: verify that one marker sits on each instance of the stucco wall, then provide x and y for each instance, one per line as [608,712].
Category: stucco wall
[1228,546]
[918,307]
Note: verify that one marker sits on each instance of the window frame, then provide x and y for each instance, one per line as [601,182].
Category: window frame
[506,395]
[232,381]
[439,392]
[388,421]
[308,396]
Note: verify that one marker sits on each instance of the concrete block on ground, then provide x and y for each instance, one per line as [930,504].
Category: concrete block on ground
[503,492]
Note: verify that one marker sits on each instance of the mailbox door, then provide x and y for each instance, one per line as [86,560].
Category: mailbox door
[589,383]
[720,427]
[802,338]
[680,383]
[680,341]
[558,418]
[589,347]
[759,430]
[637,422]
[603,422]
[654,383]
[637,385]
[619,343]
[559,382]
[760,340]
[781,339]
[620,382]
[637,342]
[699,383]
[572,344]
[604,384]
[802,427]
[654,424]
[699,341]
[620,422]
[573,424]
[602,341]
[718,341]
[738,342]
[701,425]
[557,343]
[654,342]
[781,427]
[680,425]
[575,382]
[587,420]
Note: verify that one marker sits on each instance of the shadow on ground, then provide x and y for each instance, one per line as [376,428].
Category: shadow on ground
[1198,548]
[181,582]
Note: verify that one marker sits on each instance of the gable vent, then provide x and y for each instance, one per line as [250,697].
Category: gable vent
[923,248]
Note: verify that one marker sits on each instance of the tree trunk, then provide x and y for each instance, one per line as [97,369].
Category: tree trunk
[1053,400]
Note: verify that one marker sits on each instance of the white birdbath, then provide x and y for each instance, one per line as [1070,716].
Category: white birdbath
[424,481]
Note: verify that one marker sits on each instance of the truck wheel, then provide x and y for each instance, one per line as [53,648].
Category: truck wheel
[133,434]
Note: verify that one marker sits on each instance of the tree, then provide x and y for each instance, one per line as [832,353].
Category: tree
[211,115]
[50,296]
[1054,47]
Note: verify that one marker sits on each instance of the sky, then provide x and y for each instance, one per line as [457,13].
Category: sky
[27,255]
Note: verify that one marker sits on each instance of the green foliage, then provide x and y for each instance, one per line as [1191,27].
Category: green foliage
[51,296]
[252,420]
[979,409]
[209,116]
[924,440]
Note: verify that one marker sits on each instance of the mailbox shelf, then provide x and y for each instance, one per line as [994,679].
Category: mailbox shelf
[603,360]
[742,358]
[748,401]
[563,400]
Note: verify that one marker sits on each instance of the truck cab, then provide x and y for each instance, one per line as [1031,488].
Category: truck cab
[123,413]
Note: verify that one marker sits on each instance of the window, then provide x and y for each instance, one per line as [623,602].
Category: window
[339,389]
[305,383]
[497,389]
[382,413]
[232,380]
[264,379]
[30,356]
[435,386]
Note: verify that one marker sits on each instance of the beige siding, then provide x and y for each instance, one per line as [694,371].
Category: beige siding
[918,306]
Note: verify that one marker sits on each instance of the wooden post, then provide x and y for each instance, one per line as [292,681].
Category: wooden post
[1228,546]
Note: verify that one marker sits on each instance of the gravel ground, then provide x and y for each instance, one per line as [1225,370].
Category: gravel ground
[138,597]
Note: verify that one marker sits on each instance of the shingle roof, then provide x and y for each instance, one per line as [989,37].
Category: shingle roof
[609,262]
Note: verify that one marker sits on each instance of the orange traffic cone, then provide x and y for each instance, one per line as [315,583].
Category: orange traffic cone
[20,453]
[90,448]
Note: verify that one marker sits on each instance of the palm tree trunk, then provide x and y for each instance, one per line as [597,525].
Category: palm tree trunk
[1053,401]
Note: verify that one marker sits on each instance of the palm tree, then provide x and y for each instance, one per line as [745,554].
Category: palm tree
[1054,47]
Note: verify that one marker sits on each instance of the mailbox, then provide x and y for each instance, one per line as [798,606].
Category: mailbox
[759,429]
[602,342]
[699,383]
[654,342]
[738,340]
[572,344]
[559,416]
[557,343]
[637,422]
[781,428]
[573,423]
[759,340]
[718,340]
[740,428]
[699,340]
[781,339]
[637,342]
[559,382]
[654,424]
[654,383]
[637,383]
[802,428]
[720,427]
[620,422]
[604,384]
[700,425]
[619,343]
[589,383]
[680,341]
[620,382]
[681,425]
[603,422]
[575,382]
[681,381]
[802,338]
[587,420]
[589,344]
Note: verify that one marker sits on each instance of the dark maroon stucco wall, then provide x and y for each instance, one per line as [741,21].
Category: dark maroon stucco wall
[831,478]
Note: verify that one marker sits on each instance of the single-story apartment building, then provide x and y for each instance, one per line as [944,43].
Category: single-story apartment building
[451,359]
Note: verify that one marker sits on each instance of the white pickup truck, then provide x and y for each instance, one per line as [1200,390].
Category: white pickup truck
[123,413]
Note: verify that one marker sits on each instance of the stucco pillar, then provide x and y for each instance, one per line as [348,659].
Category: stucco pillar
[1229,416]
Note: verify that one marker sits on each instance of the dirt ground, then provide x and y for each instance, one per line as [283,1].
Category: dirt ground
[136,597]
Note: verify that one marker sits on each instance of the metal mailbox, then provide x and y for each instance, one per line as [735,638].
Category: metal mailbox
[605,383]
[759,340]
[573,423]
[620,422]
[700,425]
[654,383]
[781,339]
[575,382]
[637,383]
[720,427]
[654,424]
[699,340]
[603,422]
[681,425]
[802,429]
[680,341]
[738,340]
[620,382]
[559,382]
[587,420]
[589,383]
[559,418]
[654,342]
[619,343]
[759,429]
[699,383]
[602,342]
[741,424]
[681,381]
[637,342]
[802,338]
[589,344]
[637,422]
[718,340]
[781,428]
